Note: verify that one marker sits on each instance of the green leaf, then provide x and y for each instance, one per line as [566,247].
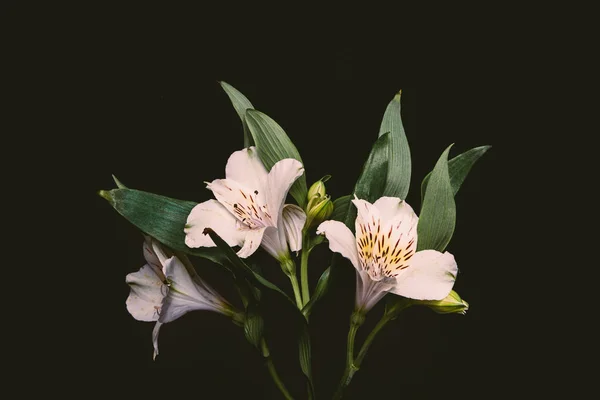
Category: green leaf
[253,327]
[372,181]
[304,350]
[241,267]
[273,144]
[241,104]
[340,208]
[161,217]
[458,168]
[320,291]
[438,213]
[118,183]
[398,177]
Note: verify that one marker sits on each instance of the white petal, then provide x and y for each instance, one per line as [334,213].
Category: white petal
[247,205]
[293,220]
[281,177]
[252,241]
[245,167]
[341,240]
[185,294]
[149,254]
[430,276]
[368,291]
[155,332]
[211,214]
[274,243]
[147,293]
[388,207]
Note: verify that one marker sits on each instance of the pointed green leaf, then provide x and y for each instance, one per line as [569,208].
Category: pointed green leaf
[340,208]
[458,168]
[241,104]
[398,178]
[372,181]
[118,183]
[305,359]
[161,217]
[254,326]
[438,213]
[320,291]
[273,144]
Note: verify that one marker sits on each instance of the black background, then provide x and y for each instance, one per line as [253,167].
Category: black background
[134,92]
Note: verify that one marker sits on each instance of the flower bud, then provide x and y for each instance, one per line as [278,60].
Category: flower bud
[319,211]
[317,189]
[451,304]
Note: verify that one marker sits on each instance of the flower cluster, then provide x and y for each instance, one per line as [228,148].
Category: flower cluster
[391,248]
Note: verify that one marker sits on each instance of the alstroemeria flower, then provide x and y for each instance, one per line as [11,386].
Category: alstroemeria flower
[165,289]
[384,254]
[249,209]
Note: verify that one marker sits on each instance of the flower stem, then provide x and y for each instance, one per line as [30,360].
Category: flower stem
[356,321]
[289,268]
[304,268]
[271,367]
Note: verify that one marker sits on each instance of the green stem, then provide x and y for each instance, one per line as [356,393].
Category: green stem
[365,347]
[271,367]
[296,287]
[356,321]
[304,269]
[289,268]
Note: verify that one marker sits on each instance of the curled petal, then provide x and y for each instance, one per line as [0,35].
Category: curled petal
[293,220]
[341,240]
[279,181]
[147,293]
[252,240]
[155,333]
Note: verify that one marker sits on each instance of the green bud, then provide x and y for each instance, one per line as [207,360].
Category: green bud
[319,211]
[316,190]
[451,304]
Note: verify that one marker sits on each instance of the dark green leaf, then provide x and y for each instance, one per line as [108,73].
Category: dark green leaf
[458,168]
[241,267]
[253,327]
[438,213]
[340,208]
[161,217]
[305,359]
[398,177]
[320,291]
[241,104]
[273,144]
[372,181]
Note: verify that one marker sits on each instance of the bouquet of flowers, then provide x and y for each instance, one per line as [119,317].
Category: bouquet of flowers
[391,248]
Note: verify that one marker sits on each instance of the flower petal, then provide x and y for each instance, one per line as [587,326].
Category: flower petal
[273,241]
[185,294]
[368,291]
[341,240]
[252,241]
[281,177]
[293,220]
[247,205]
[211,214]
[429,276]
[147,293]
[155,333]
[245,167]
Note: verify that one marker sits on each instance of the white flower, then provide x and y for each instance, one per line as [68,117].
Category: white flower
[249,209]
[165,289]
[384,254]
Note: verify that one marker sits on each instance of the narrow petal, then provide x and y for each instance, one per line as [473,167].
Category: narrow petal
[245,167]
[341,240]
[281,177]
[155,333]
[368,291]
[293,220]
[185,294]
[150,255]
[252,241]
[147,293]
[211,214]
[430,276]
[274,243]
